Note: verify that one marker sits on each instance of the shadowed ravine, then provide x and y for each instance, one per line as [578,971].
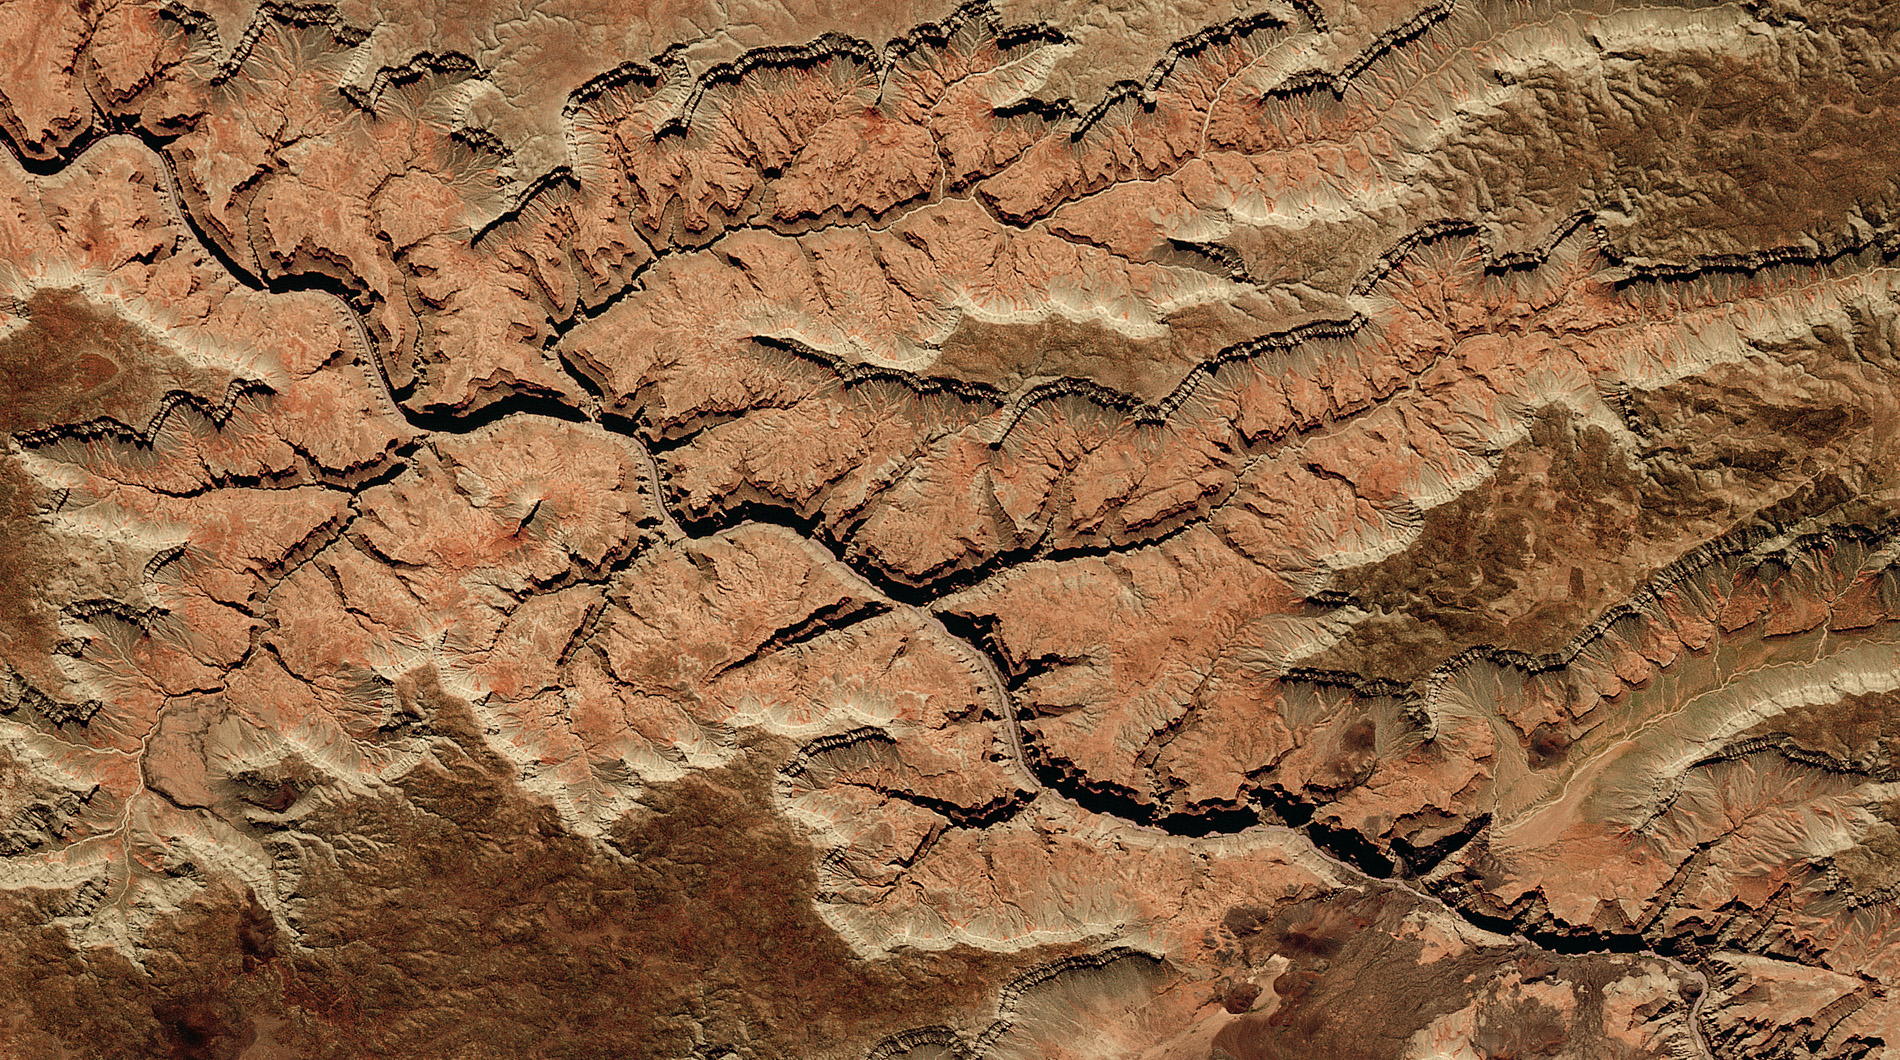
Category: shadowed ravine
[1240,530]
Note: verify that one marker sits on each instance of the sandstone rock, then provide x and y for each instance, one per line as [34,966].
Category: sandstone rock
[1091,528]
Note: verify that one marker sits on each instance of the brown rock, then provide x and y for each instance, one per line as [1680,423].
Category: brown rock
[1096,528]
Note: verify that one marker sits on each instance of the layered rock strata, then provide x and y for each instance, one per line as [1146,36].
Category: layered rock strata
[1236,528]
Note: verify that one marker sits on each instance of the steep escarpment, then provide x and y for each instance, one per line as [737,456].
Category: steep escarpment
[1213,529]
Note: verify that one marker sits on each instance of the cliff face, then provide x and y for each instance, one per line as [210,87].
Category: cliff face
[1049,528]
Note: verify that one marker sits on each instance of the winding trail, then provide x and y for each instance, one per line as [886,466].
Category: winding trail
[1005,706]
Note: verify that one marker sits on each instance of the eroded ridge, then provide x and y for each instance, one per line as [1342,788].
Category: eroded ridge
[1207,529]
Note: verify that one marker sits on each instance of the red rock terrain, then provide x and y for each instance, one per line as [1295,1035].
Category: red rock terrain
[1040,529]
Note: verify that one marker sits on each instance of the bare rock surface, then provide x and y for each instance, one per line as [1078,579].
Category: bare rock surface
[1031,529]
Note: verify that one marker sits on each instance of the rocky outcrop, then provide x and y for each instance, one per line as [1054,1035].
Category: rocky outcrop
[1248,530]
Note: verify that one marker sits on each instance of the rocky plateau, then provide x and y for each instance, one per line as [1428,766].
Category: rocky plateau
[885,530]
